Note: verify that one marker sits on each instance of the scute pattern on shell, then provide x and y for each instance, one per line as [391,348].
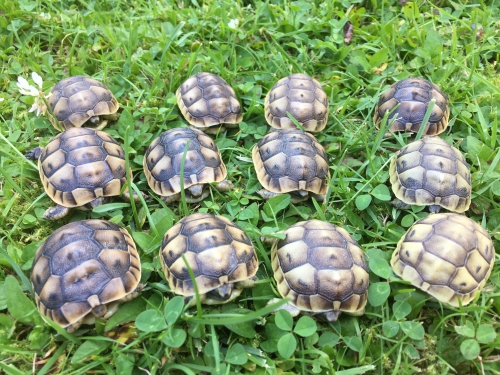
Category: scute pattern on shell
[413,96]
[80,165]
[82,265]
[162,161]
[289,160]
[446,255]
[432,172]
[320,267]
[303,97]
[218,251]
[75,100]
[206,99]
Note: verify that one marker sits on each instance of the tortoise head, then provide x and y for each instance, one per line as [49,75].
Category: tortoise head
[94,120]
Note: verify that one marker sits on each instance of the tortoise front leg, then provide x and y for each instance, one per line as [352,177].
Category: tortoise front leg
[56,212]
[135,196]
[34,153]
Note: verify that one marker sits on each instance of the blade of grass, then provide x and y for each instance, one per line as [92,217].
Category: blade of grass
[225,319]
[183,193]
[128,173]
[16,268]
[427,115]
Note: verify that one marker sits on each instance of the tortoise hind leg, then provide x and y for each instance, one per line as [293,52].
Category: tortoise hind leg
[98,202]
[224,186]
[266,194]
[73,327]
[56,212]
[294,311]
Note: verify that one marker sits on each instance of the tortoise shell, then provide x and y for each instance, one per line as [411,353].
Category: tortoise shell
[289,160]
[77,99]
[81,266]
[446,255]
[206,99]
[80,165]
[413,96]
[303,97]
[162,161]
[218,251]
[431,172]
[320,267]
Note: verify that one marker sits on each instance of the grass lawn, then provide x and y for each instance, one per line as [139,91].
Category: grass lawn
[143,51]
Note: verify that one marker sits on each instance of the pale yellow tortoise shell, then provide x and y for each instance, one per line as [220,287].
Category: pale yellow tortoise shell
[206,99]
[431,172]
[290,160]
[446,255]
[82,270]
[80,165]
[217,250]
[301,96]
[412,97]
[75,100]
[162,161]
[321,268]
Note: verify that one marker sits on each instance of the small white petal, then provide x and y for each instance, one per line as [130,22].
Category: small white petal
[24,92]
[38,80]
[233,24]
[2,99]
[22,83]
[33,107]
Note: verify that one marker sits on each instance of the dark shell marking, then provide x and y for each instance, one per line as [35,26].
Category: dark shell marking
[80,165]
[432,172]
[289,160]
[447,255]
[303,97]
[162,161]
[206,99]
[218,251]
[320,267]
[75,100]
[83,265]
[413,96]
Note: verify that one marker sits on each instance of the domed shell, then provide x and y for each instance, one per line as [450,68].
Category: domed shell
[218,251]
[80,165]
[77,99]
[446,255]
[289,160]
[81,266]
[321,268]
[413,96]
[431,172]
[162,161]
[206,99]
[303,97]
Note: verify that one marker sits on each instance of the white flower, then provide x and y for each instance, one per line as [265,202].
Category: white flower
[2,99]
[233,24]
[45,16]
[26,89]
[38,80]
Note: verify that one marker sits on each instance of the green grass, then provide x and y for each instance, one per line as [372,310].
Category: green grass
[143,51]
